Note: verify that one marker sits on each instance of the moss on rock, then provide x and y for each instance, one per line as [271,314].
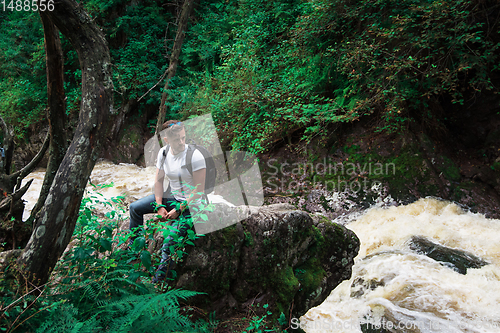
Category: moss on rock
[278,255]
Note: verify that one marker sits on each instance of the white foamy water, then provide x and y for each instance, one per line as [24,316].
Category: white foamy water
[406,292]
[127,179]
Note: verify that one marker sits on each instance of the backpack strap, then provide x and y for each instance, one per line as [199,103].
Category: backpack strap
[189,166]
[165,151]
[189,158]
[168,192]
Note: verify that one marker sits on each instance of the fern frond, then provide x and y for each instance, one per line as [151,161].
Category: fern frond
[139,312]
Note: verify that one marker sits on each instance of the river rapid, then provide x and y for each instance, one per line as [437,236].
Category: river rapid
[398,290]
[391,286]
[130,180]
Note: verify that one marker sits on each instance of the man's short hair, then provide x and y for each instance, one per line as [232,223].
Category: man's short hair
[172,127]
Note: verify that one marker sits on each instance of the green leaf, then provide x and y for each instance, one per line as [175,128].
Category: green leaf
[139,243]
[105,243]
[282,319]
[108,230]
[135,275]
[146,259]
[179,253]
[82,253]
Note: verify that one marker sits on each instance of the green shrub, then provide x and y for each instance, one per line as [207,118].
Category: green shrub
[97,286]
[294,69]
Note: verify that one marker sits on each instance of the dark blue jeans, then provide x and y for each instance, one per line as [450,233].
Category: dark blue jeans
[147,205]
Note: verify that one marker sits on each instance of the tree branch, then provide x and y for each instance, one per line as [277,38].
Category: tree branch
[157,83]
[56,112]
[19,175]
[174,60]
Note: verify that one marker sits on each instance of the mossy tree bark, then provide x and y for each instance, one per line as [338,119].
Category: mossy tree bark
[55,222]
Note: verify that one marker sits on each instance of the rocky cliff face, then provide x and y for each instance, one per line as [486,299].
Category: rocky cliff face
[278,256]
[361,168]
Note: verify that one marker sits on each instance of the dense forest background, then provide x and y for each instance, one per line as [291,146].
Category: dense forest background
[411,83]
[269,71]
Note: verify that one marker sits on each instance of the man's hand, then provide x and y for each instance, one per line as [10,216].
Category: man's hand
[173,214]
[163,212]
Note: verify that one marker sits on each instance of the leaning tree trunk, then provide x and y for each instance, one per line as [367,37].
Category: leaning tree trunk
[56,111]
[55,222]
[174,61]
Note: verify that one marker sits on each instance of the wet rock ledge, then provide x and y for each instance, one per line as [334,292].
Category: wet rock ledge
[278,255]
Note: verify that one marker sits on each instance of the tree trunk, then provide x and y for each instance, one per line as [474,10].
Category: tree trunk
[56,112]
[8,182]
[174,60]
[8,147]
[55,222]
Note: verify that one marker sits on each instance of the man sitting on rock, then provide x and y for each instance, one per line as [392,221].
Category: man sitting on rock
[185,188]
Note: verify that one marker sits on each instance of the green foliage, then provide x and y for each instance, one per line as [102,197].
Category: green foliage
[139,36]
[139,44]
[243,90]
[23,96]
[269,70]
[258,324]
[99,285]
[404,54]
[272,71]
[130,313]
[169,230]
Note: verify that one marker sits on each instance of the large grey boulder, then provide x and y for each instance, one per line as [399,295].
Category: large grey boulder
[277,255]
